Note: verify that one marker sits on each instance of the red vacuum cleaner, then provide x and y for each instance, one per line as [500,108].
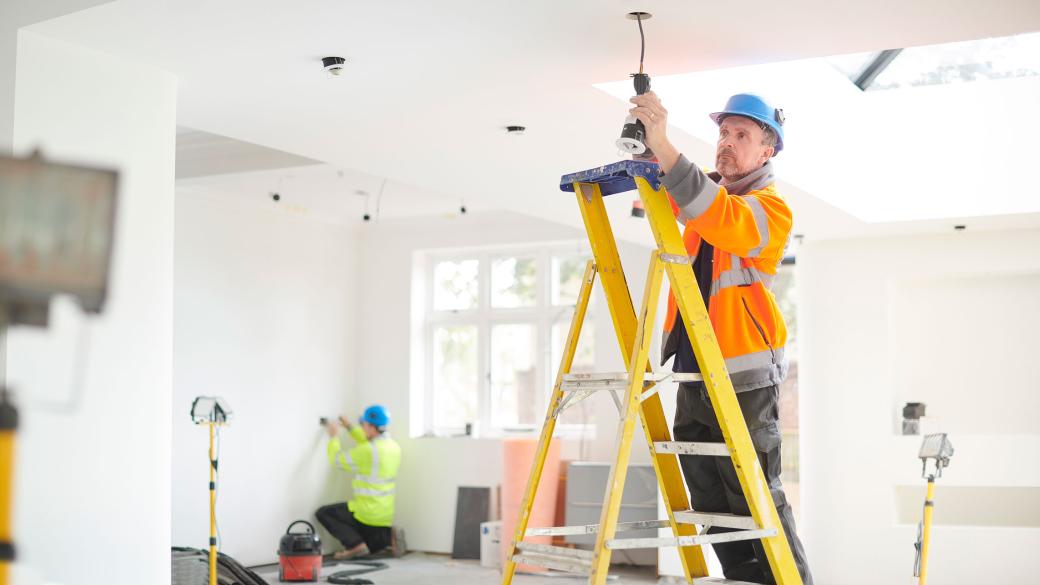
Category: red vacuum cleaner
[299,554]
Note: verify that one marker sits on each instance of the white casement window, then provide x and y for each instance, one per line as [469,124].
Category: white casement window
[495,321]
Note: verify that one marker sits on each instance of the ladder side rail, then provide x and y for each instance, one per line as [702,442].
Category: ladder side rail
[619,470]
[622,310]
[509,569]
[608,265]
[671,483]
[717,382]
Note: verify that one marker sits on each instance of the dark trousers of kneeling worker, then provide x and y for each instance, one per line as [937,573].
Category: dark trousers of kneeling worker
[341,523]
[713,482]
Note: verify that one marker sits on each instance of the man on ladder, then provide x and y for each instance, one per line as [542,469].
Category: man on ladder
[736,229]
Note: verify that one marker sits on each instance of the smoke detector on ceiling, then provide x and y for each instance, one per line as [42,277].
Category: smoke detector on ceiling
[333,65]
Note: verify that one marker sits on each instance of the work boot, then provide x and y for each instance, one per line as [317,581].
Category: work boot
[398,546]
[360,550]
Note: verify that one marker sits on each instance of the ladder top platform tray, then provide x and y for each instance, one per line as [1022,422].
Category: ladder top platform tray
[615,177]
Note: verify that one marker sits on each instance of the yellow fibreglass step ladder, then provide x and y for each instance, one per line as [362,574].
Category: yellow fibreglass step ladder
[641,401]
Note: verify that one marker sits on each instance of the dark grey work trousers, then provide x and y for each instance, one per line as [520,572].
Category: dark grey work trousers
[713,482]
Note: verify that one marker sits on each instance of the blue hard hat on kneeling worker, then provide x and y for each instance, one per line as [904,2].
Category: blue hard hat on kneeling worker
[376,415]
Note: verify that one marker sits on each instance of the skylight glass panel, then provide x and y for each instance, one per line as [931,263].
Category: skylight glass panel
[981,60]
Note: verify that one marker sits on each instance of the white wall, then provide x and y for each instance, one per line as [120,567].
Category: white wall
[433,468]
[93,483]
[8,67]
[264,315]
[947,319]
[15,14]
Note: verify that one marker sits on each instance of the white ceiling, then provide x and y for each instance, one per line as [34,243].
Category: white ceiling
[327,194]
[201,154]
[429,86]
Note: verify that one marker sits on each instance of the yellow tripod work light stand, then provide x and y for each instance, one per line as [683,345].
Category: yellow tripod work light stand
[938,448]
[8,427]
[634,392]
[213,412]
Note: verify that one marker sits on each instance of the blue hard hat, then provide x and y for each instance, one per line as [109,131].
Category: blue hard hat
[376,415]
[752,106]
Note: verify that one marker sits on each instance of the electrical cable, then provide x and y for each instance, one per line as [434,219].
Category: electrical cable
[347,577]
[642,41]
[379,197]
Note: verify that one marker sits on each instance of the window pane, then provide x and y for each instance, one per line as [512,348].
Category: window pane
[584,362]
[514,387]
[455,285]
[566,279]
[513,283]
[454,376]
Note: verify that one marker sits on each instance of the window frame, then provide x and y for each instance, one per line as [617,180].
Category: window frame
[543,315]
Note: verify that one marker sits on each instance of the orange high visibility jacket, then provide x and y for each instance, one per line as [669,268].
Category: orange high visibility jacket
[749,225]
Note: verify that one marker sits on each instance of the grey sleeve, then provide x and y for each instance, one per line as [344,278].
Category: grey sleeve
[692,190]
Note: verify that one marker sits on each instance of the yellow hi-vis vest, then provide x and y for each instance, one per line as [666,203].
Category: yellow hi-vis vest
[375,462]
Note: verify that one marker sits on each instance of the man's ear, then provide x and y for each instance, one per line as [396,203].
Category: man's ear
[767,154]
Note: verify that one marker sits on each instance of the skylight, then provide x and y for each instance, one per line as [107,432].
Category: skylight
[980,60]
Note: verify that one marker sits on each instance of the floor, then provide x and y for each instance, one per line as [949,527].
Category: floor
[421,568]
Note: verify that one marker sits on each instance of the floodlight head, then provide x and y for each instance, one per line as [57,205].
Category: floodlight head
[56,236]
[210,410]
[938,447]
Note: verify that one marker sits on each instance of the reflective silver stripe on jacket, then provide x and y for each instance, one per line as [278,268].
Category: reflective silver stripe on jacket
[758,359]
[361,491]
[761,222]
[345,462]
[373,477]
[701,202]
[741,277]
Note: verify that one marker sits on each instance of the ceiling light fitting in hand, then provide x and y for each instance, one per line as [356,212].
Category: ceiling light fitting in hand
[633,134]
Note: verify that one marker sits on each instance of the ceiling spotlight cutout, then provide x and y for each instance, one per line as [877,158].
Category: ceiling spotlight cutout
[333,65]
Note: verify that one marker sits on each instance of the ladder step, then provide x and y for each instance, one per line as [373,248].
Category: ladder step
[594,528]
[560,562]
[626,543]
[618,380]
[555,551]
[717,519]
[684,377]
[600,381]
[718,581]
[683,448]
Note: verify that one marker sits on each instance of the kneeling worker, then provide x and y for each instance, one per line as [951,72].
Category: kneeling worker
[364,523]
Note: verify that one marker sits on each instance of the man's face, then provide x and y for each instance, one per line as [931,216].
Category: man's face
[740,150]
[370,429]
